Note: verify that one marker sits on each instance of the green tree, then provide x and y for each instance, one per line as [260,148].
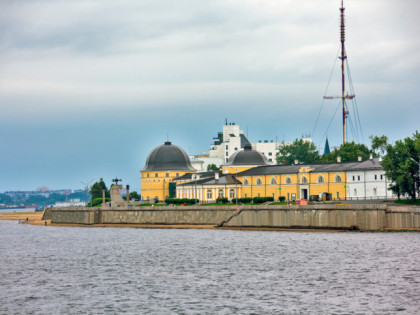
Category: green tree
[349,152]
[5,199]
[134,195]
[212,167]
[96,189]
[304,152]
[401,164]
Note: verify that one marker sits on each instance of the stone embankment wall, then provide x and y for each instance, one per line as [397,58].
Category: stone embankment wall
[367,217]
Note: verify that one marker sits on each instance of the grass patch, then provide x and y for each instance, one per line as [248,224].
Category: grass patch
[282,203]
[408,202]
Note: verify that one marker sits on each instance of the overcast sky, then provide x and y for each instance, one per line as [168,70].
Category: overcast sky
[88,88]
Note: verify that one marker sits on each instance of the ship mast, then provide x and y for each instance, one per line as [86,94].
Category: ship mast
[343,57]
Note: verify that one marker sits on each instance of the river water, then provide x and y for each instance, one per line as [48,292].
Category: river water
[69,270]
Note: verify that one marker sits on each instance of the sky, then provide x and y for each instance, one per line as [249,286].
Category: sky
[89,87]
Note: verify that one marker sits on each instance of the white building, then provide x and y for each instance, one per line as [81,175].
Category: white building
[233,139]
[368,181]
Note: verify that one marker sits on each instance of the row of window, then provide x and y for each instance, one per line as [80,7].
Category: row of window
[288,181]
[157,175]
[156,180]
[376,177]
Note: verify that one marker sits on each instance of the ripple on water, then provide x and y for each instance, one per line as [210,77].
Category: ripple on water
[71,270]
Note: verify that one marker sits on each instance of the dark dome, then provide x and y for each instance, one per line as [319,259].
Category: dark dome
[247,157]
[168,157]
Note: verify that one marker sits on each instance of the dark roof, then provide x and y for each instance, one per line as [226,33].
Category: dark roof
[315,168]
[168,157]
[244,140]
[247,157]
[227,179]
[188,176]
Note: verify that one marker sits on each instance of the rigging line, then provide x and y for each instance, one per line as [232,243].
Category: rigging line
[329,81]
[353,125]
[332,118]
[355,102]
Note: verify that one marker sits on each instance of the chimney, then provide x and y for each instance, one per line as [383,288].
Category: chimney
[370,157]
[338,159]
[296,161]
[216,175]
[359,158]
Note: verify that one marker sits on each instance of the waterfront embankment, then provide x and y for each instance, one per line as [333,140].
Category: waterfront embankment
[366,217]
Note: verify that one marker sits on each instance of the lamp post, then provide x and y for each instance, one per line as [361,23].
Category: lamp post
[163,191]
[87,188]
[236,186]
[194,176]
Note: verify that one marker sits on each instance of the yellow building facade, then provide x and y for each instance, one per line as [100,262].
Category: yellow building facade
[163,164]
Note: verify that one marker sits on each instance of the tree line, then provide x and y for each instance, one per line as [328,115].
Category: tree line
[399,160]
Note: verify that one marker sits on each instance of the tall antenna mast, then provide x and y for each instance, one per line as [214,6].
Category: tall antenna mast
[343,57]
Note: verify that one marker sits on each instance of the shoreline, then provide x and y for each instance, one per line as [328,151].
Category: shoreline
[35,218]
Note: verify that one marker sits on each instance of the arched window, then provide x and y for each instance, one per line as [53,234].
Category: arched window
[288,181]
[320,179]
[209,194]
[220,193]
[273,181]
[337,178]
[232,193]
[246,183]
[258,182]
[303,180]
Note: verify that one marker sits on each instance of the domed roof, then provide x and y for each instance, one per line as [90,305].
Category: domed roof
[168,157]
[247,157]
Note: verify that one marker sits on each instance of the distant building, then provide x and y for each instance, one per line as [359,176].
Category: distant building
[233,139]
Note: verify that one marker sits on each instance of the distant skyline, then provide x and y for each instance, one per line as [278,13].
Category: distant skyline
[89,88]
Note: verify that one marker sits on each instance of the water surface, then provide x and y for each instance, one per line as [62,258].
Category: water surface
[50,270]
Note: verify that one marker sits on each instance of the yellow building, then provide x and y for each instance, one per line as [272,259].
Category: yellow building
[163,164]
[247,174]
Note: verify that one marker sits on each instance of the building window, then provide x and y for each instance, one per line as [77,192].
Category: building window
[376,177]
[245,195]
[270,153]
[167,174]
[259,195]
[358,177]
[270,160]
[209,194]
[220,193]
[156,174]
[227,153]
[303,180]
[147,174]
[337,179]
[273,181]
[246,183]
[227,147]
[232,193]
[288,181]
[258,182]
[353,178]
[320,179]
[177,174]
[236,149]
[382,177]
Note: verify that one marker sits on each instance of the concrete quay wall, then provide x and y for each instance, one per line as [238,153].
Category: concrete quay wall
[367,217]
[195,215]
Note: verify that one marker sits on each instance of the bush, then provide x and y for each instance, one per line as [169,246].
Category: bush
[97,201]
[242,200]
[282,198]
[222,200]
[178,201]
[262,199]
